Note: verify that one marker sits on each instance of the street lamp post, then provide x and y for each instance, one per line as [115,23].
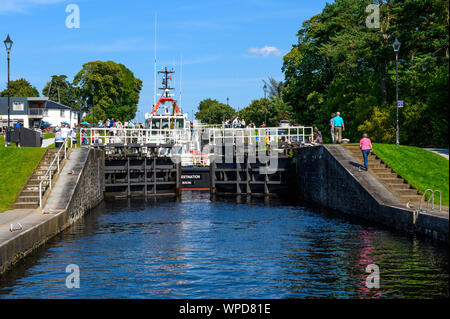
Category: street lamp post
[8,45]
[265,104]
[396,46]
[228,104]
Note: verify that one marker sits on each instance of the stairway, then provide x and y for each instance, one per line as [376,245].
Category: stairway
[395,183]
[28,198]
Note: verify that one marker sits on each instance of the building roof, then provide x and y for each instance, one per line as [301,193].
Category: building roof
[37,99]
[54,105]
[26,100]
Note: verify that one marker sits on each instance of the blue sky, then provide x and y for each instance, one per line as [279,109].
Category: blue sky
[228,47]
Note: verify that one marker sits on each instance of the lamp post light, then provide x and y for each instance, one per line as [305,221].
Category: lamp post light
[265,103]
[8,45]
[228,104]
[396,45]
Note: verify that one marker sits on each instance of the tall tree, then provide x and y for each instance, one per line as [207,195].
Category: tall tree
[213,112]
[339,64]
[20,88]
[60,90]
[270,111]
[109,90]
[275,87]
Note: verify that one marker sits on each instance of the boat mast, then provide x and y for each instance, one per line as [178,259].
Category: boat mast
[154,97]
[181,80]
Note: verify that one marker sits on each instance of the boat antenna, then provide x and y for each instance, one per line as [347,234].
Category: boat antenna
[181,78]
[154,97]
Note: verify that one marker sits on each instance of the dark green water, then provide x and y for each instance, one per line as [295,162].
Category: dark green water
[197,248]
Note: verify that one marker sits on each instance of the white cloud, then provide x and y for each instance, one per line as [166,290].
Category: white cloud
[21,6]
[266,51]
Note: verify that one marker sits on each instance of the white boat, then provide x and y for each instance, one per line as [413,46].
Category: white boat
[171,119]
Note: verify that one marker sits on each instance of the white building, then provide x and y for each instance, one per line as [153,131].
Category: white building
[56,113]
[32,111]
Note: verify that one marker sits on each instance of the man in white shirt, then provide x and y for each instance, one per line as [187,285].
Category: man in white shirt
[65,132]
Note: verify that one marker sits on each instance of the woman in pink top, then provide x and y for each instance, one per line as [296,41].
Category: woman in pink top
[366,147]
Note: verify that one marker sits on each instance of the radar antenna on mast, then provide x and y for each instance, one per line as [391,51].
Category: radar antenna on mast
[166,95]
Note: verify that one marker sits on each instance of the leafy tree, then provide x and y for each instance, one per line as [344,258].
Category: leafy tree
[275,87]
[213,112]
[109,89]
[20,88]
[338,64]
[269,111]
[60,90]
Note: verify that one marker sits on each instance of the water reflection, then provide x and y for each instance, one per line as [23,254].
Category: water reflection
[227,248]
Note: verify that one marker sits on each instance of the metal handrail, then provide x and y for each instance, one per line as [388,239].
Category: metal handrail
[183,136]
[432,200]
[262,135]
[49,170]
[140,136]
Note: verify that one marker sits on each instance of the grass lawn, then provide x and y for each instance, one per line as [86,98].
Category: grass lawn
[49,135]
[422,169]
[16,166]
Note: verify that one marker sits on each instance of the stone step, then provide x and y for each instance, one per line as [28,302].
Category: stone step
[51,156]
[414,199]
[395,187]
[35,188]
[386,176]
[383,170]
[390,181]
[359,154]
[405,192]
[35,183]
[25,205]
[35,178]
[373,166]
[29,196]
[28,199]
[26,192]
[41,172]
[47,163]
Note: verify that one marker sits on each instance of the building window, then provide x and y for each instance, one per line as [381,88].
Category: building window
[18,106]
[62,113]
[45,112]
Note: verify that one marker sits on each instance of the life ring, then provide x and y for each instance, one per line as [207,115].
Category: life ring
[203,160]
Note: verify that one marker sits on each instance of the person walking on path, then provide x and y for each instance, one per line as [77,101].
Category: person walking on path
[365,145]
[58,138]
[74,138]
[331,127]
[338,127]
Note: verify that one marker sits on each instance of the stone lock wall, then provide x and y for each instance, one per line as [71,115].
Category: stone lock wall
[325,178]
[90,188]
[78,189]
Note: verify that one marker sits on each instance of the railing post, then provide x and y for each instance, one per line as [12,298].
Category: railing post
[40,194]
